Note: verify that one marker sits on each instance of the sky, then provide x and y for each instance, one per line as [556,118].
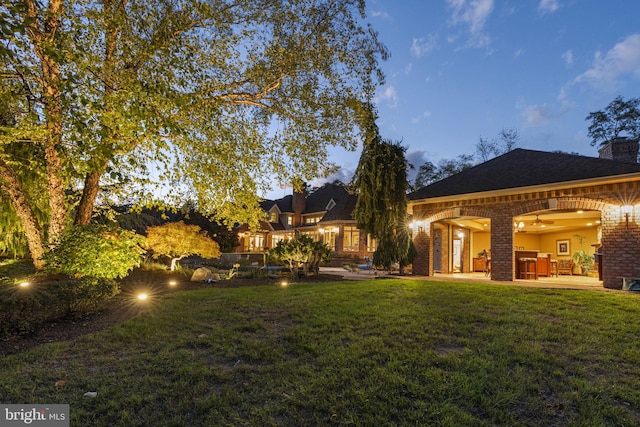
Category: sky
[464,69]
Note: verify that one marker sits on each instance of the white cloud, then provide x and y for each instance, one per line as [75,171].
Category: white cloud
[621,60]
[473,13]
[424,116]
[568,57]
[389,95]
[539,114]
[422,45]
[380,14]
[549,6]
[518,53]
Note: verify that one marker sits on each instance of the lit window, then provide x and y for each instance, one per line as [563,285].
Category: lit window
[256,242]
[372,243]
[330,238]
[351,241]
[289,220]
[273,217]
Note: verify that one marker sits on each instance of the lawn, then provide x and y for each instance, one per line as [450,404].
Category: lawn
[370,353]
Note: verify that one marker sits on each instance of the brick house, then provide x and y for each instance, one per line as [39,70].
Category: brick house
[547,203]
[324,214]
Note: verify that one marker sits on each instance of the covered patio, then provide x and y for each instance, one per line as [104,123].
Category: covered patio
[529,209]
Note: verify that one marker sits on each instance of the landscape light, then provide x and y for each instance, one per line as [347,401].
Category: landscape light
[284,283]
[142,296]
[24,284]
[173,283]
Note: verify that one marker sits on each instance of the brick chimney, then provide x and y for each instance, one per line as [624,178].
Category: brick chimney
[298,204]
[621,149]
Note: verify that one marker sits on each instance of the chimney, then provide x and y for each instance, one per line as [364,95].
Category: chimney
[621,149]
[298,203]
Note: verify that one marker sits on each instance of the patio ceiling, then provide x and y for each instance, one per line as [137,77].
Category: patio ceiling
[537,224]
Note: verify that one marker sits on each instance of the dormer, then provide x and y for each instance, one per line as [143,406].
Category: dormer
[274,214]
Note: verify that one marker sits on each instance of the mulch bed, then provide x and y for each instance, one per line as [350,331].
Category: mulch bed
[119,308]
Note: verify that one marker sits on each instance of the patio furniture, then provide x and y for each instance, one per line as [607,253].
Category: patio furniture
[565,266]
[528,268]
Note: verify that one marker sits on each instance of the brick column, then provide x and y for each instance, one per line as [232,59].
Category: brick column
[422,263]
[502,267]
[620,247]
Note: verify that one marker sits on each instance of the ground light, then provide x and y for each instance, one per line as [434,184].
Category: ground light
[173,283]
[24,284]
[284,284]
[142,296]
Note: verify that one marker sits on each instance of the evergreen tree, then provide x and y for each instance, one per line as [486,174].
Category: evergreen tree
[381,185]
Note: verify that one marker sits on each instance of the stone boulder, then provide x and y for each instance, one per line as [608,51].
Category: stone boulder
[202,274]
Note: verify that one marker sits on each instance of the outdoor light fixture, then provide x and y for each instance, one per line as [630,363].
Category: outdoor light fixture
[626,211]
[284,283]
[460,234]
[24,284]
[521,225]
[142,296]
[173,283]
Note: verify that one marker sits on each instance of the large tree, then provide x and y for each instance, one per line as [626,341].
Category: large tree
[214,97]
[428,173]
[619,118]
[381,184]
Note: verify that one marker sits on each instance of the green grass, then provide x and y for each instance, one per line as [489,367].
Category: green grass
[370,353]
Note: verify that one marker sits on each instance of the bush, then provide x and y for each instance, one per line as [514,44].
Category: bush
[95,250]
[24,310]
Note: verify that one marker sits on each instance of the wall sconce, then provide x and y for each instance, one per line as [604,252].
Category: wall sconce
[626,211]
[460,234]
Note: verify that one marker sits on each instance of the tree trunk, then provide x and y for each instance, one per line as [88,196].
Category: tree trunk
[41,38]
[89,195]
[20,202]
[92,179]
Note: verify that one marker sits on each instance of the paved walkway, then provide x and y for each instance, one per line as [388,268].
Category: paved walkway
[561,282]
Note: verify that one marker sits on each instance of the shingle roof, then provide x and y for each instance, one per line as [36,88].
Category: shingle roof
[342,211]
[523,168]
[319,199]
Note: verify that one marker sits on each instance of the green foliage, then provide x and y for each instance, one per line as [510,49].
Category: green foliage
[178,240]
[381,185]
[619,118]
[300,250]
[49,299]
[203,91]
[99,251]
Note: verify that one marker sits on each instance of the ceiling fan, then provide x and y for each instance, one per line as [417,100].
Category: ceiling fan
[539,221]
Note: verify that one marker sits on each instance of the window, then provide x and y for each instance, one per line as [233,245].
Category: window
[351,240]
[275,239]
[311,220]
[313,234]
[330,238]
[256,242]
[273,217]
[372,243]
[289,220]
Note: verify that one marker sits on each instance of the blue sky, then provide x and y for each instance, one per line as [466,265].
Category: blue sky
[464,69]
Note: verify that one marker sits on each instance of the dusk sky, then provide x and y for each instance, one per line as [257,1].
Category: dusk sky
[462,69]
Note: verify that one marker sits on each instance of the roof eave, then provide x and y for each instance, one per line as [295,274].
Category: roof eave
[613,179]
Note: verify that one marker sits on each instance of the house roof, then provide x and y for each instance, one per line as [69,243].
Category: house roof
[285,204]
[319,199]
[342,211]
[523,168]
